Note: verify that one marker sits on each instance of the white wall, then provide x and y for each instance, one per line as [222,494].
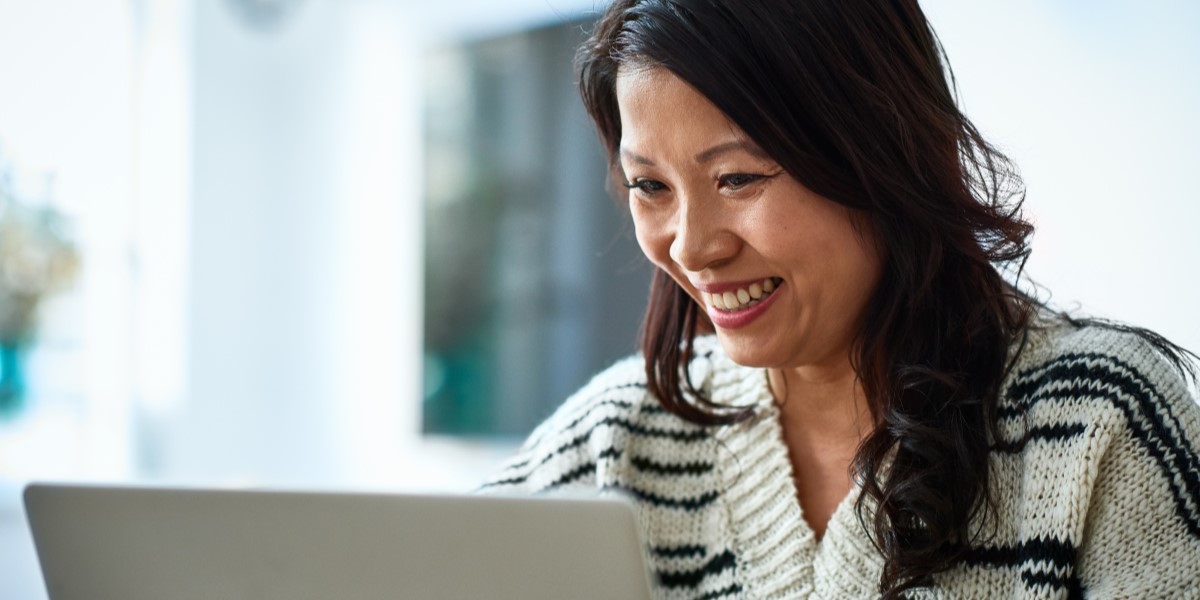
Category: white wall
[1096,103]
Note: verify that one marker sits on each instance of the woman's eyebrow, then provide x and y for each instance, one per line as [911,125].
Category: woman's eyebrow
[705,155]
[635,157]
[719,149]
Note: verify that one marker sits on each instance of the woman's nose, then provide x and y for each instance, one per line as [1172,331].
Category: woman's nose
[701,239]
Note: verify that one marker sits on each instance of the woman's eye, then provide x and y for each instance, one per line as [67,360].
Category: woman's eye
[738,180]
[645,186]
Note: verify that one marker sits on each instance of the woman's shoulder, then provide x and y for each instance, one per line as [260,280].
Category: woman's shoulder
[1081,354]
[1070,371]
[617,396]
[591,435]
[620,396]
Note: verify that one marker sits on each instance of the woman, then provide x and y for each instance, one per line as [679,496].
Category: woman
[880,411]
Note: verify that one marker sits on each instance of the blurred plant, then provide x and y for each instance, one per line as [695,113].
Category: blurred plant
[37,259]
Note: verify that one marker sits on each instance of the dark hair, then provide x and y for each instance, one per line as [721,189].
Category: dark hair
[854,99]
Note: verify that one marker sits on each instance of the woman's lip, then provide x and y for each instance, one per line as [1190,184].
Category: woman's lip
[733,286]
[741,318]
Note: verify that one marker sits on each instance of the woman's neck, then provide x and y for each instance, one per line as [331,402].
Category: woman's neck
[824,402]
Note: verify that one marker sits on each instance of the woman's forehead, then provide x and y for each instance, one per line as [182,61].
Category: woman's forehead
[642,87]
[660,109]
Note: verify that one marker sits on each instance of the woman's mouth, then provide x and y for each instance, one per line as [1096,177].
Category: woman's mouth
[743,298]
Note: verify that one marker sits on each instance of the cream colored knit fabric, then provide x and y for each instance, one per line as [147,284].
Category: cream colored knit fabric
[1096,482]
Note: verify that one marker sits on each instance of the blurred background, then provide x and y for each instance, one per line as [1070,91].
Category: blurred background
[365,243]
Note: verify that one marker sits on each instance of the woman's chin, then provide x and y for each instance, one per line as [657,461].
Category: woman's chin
[747,351]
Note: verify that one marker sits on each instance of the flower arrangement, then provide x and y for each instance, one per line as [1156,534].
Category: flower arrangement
[37,259]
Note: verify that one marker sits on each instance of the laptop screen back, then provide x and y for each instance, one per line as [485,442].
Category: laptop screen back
[112,543]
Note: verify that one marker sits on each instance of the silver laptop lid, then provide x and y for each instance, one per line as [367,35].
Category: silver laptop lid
[121,543]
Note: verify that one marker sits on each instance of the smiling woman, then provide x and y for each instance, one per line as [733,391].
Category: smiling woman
[727,218]
[881,409]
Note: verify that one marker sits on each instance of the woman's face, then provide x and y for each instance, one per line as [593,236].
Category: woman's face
[782,272]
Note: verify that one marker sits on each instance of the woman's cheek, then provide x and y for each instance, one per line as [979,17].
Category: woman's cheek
[652,237]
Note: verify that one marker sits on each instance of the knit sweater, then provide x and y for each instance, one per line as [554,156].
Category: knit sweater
[1096,481]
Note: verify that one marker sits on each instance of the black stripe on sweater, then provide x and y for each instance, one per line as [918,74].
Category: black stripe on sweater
[692,577]
[593,408]
[637,385]
[1045,561]
[500,482]
[647,465]
[1054,433]
[590,409]
[575,442]
[1150,420]
[691,436]
[571,476]
[518,464]
[1054,581]
[607,453]
[685,503]
[1048,550]
[685,551]
[694,435]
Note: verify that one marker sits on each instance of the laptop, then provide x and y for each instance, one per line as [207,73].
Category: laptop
[132,543]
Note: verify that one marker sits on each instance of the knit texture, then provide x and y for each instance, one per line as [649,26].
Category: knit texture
[1096,481]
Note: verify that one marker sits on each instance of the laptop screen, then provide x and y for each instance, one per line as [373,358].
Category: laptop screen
[123,543]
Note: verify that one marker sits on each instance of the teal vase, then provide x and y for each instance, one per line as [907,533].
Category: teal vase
[12,379]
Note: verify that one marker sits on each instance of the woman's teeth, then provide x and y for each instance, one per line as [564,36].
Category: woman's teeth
[741,298]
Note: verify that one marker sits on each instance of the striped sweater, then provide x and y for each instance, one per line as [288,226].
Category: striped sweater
[1096,481]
